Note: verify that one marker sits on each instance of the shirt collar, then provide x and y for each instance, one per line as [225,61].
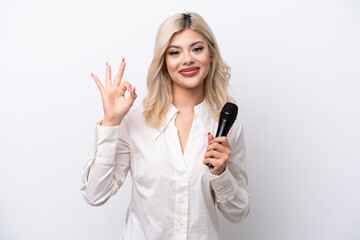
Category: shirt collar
[202,111]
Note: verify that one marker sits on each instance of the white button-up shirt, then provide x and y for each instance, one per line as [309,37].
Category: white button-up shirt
[173,193]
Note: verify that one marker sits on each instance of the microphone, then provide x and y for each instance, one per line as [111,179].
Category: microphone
[227,118]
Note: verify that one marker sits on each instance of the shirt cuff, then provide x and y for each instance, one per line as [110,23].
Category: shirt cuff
[224,185]
[105,143]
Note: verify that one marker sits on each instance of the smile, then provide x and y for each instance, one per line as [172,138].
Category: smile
[188,72]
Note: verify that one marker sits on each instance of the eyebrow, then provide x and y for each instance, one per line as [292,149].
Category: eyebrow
[194,43]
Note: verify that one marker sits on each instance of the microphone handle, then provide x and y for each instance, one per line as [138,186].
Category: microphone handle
[223,128]
[222,131]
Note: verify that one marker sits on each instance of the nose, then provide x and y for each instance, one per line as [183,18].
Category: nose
[188,58]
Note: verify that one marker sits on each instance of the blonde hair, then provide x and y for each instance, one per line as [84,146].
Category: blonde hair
[159,83]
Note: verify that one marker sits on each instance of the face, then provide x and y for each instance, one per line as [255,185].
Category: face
[188,59]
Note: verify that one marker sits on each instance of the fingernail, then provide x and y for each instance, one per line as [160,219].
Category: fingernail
[208,133]
[211,141]
[134,89]
[123,60]
[107,63]
[92,75]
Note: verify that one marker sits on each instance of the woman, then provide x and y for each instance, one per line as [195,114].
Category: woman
[166,143]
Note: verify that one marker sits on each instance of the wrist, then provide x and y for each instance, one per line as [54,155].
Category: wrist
[218,172]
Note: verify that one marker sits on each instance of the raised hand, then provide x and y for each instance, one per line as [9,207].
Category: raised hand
[115,104]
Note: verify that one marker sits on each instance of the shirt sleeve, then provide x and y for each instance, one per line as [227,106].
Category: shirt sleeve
[107,168]
[231,192]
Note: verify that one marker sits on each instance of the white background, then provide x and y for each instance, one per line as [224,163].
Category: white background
[295,76]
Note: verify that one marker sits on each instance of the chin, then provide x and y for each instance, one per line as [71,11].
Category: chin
[193,83]
[188,82]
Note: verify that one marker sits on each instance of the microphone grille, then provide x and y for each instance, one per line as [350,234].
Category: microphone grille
[229,111]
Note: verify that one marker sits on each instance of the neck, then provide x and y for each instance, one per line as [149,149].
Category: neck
[186,99]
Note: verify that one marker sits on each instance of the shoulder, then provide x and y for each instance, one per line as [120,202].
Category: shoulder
[236,132]
[237,126]
[134,113]
[135,119]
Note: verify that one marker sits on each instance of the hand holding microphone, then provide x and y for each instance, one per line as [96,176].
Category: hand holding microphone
[219,150]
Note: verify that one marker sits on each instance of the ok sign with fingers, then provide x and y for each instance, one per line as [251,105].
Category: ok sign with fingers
[115,104]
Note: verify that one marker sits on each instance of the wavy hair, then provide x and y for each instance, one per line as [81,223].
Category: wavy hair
[159,83]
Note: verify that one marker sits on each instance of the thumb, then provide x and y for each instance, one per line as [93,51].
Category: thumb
[210,138]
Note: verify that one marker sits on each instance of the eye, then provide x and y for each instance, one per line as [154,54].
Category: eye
[198,49]
[174,53]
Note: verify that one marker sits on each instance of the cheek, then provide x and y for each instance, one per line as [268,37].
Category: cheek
[170,65]
[206,63]
[205,59]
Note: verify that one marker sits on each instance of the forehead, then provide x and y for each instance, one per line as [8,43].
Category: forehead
[186,37]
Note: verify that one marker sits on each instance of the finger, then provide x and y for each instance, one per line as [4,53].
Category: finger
[120,73]
[223,149]
[210,161]
[223,141]
[125,86]
[108,76]
[132,95]
[98,83]
[210,138]
[217,147]
[214,154]
[215,162]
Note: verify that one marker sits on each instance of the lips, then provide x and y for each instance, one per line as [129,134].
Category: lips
[189,71]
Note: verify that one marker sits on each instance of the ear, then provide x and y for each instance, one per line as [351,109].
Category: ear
[211,59]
